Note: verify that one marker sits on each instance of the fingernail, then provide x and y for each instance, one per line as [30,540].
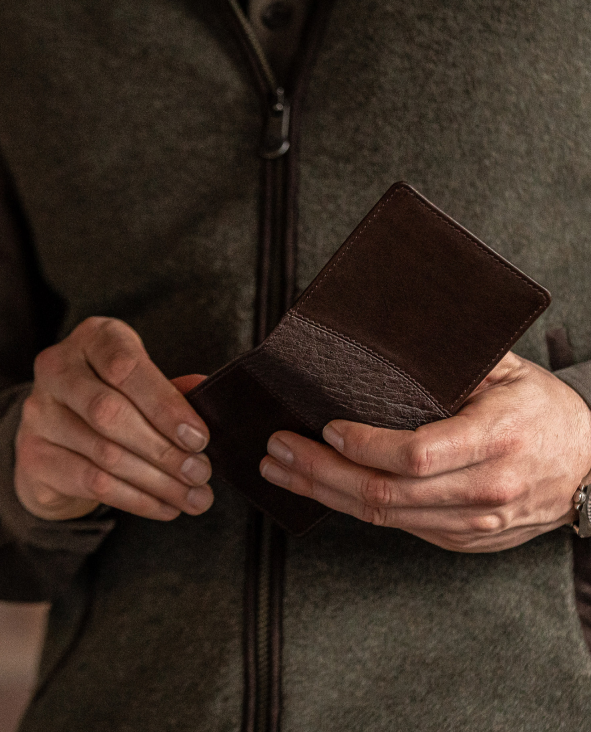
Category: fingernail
[275,474]
[280,451]
[333,437]
[196,470]
[199,498]
[191,438]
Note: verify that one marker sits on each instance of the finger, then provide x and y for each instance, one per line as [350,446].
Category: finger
[461,520]
[474,486]
[111,414]
[465,529]
[190,493]
[468,438]
[69,474]
[320,464]
[185,383]
[117,355]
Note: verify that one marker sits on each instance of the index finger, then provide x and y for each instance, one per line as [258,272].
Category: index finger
[119,358]
[433,449]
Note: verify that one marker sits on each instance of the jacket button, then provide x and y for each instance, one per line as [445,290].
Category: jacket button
[277,15]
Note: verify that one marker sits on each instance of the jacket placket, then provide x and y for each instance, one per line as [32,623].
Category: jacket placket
[275,292]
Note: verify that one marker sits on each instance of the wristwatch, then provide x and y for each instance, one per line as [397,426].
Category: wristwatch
[582,502]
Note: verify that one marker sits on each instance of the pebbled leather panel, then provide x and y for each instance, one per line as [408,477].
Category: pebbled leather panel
[320,376]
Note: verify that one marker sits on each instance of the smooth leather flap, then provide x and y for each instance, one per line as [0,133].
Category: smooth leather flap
[418,289]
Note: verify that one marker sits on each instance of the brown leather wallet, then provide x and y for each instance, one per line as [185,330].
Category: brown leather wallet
[397,330]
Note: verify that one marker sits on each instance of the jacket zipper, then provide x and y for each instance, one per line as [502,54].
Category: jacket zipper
[276,291]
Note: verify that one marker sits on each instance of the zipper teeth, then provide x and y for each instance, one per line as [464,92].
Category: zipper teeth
[253,536]
[266,543]
[256,46]
[263,629]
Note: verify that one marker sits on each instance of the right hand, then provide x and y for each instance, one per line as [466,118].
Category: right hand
[104,425]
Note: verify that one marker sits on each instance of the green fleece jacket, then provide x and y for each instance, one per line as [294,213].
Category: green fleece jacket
[129,132]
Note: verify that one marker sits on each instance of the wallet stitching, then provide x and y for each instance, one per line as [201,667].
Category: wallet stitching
[492,254]
[328,331]
[483,371]
[413,383]
[258,377]
[373,354]
[473,240]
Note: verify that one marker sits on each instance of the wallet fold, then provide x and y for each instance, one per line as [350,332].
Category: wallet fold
[399,327]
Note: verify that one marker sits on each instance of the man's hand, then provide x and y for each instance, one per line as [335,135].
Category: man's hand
[104,425]
[500,472]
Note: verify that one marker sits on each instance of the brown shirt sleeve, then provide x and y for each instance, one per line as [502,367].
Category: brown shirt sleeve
[17,332]
[37,557]
[578,377]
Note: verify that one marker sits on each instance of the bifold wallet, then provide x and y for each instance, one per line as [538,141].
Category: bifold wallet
[397,330]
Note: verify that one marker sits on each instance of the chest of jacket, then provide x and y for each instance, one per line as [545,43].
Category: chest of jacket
[132,133]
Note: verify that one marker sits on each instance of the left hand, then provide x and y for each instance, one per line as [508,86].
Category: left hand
[501,471]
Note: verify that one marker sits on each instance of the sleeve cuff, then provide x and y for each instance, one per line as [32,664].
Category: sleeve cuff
[578,377]
[78,536]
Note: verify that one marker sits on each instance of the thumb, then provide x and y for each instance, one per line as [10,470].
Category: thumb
[185,383]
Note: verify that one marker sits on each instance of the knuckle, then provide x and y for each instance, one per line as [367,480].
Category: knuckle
[485,524]
[376,490]
[104,409]
[314,469]
[118,349]
[99,483]
[358,444]
[419,458]
[46,496]
[119,364]
[376,515]
[166,454]
[107,454]
[379,517]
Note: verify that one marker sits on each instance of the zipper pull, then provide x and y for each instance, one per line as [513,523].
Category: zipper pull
[276,137]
